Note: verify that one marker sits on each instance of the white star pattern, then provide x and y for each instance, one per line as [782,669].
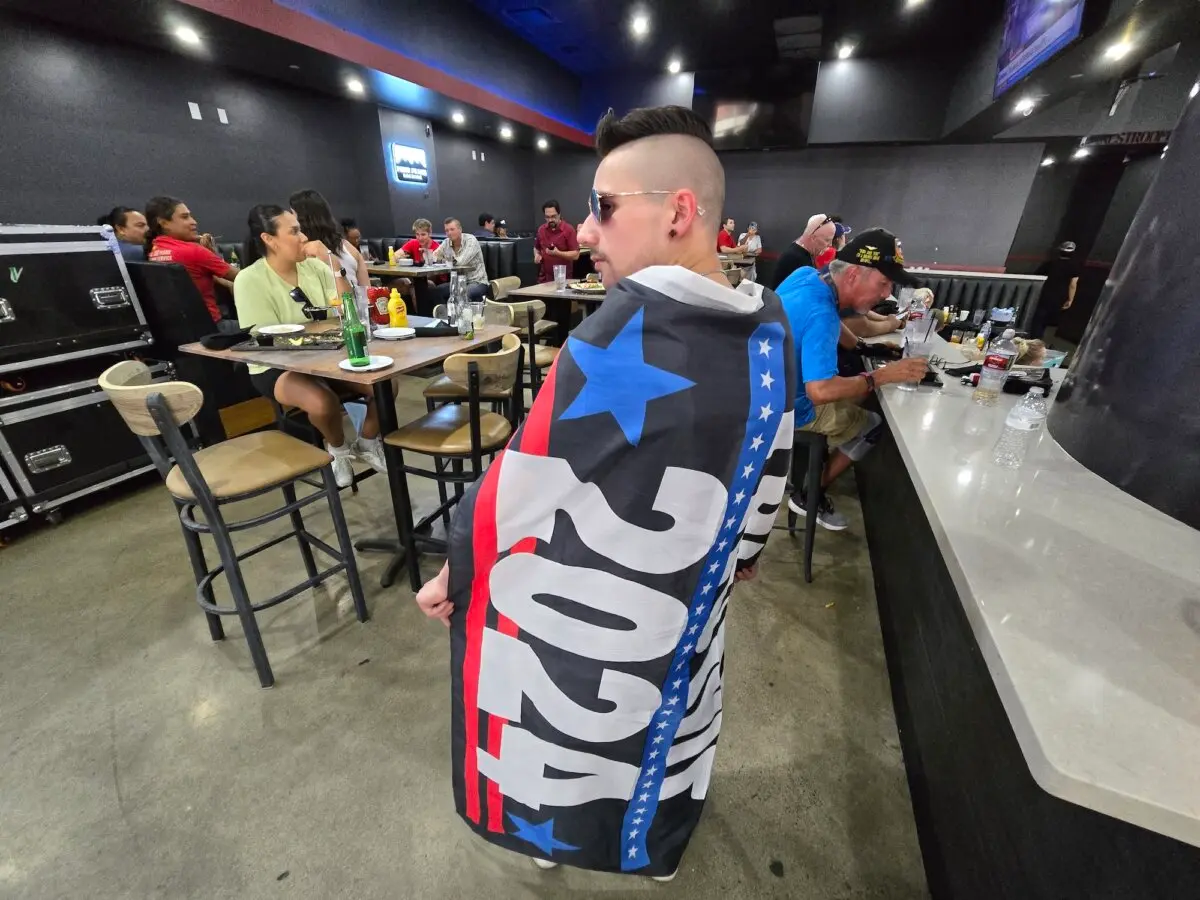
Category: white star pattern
[722,545]
[730,522]
[637,821]
[764,348]
[640,811]
[647,784]
[765,412]
[713,568]
[748,470]
[662,725]
[739,496]
[632,852]
[642,798]
[673,700]
[676,683]
[693,629]
[700,609]
[757,442]
[687,648]
[680,665]
[767,379]
[658,739]
[652,770]
[706,588]
[634,834]
[653,754]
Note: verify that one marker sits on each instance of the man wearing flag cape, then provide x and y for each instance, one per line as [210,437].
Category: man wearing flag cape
[590,569]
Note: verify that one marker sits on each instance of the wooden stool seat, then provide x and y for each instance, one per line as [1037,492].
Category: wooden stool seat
[447,432]
[543,356]
[446,388]
[544,326]
[250,463]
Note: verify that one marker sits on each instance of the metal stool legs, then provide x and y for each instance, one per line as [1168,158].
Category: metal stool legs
[817,446]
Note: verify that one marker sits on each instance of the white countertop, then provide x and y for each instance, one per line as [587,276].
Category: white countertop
[955,273]
[1084,601]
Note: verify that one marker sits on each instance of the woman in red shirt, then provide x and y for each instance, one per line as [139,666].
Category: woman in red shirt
[174,237]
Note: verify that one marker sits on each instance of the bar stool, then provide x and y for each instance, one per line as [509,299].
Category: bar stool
[456,432]
[233,470]
[526,314]
[501,288]
[818,447]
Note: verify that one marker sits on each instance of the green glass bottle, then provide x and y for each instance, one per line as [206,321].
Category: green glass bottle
[353,332]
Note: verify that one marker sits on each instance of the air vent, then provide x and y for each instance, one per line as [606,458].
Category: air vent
[530,17]
[798,37]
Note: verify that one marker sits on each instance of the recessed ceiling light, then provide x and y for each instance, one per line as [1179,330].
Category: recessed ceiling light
[355,86]
[457,117]
[1117,50]
[674,66]
[640,25]
[1025,105]
[912,3]
[845,51]
[1048,161]
[505,132]
[1194,91]
[294,67]
[187,35]
[1081,153]
[543,144]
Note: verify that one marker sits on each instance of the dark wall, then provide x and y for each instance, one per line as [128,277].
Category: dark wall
[625,92]
[90,126]
[879,100]
[1126,200]
[566,177]
[496,180]
[1042,219]
[951,204]
[453,36]
[975,81]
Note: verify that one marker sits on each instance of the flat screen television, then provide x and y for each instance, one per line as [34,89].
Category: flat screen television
[1034,30]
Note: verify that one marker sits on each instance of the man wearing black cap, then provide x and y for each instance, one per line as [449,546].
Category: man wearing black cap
[859,277]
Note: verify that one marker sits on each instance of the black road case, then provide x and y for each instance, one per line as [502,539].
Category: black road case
[12,510]
[64,294]
[65,442]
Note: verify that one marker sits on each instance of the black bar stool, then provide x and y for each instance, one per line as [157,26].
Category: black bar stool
[818,447]
[233,470]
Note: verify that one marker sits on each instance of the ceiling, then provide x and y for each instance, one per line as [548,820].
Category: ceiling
[592,36]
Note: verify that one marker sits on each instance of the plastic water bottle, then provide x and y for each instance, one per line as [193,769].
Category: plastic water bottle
[997,360]
[1021,428]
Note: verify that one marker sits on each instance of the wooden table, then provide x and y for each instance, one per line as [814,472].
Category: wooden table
[744,261]
[558,305]
[420,276]
[409,355]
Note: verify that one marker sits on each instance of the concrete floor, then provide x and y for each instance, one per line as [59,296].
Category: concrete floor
[138,759]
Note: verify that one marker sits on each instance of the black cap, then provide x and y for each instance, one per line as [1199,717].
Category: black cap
[879,249]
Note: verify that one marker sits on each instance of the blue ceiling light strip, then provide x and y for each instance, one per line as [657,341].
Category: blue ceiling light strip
[315,10]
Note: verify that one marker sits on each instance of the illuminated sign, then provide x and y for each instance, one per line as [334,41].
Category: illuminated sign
[408,165]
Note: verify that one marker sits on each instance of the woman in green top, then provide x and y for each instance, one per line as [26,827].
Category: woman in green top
[281,285]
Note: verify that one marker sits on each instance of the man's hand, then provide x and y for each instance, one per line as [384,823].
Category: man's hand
[912,369]
[747,574]
[1067,305]
[433,597]
[894,324]
[552,251]
[537,256]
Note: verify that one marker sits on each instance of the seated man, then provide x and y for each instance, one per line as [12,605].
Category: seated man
[487,226]
[860,276]
[414,250]
[462,250]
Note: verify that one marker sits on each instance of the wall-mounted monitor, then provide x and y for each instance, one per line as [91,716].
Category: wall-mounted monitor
[409,165]
[1034,30]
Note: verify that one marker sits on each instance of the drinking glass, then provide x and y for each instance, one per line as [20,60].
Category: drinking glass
[977,317]
[477,313]
[560,278]
[923,349]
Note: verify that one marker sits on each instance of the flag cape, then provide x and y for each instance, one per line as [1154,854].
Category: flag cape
[592,564]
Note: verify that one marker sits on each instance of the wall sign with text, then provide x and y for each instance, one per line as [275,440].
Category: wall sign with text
[409,165]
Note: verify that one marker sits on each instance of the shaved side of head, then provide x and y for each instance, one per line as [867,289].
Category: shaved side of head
[666,148]
[814,222]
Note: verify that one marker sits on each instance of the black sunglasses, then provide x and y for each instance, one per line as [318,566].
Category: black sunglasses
[315,313]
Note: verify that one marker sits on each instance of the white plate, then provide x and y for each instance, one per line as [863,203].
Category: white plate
[377,362]
[394,334]
[280,329]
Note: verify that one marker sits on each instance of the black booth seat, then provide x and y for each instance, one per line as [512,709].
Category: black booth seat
[980,290]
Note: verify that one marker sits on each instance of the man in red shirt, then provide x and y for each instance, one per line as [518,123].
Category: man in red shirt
[725,241]
[416,248]
[556,244]
[175,238]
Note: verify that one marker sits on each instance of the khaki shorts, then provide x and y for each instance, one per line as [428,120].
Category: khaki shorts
[839,421]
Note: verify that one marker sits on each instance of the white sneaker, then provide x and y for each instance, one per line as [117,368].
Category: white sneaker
[370,451]
[343,467]
[544,863]
[663,879]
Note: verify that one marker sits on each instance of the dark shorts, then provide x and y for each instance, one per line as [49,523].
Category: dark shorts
[264,382]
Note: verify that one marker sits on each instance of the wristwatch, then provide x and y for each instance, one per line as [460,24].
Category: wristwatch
[870,376]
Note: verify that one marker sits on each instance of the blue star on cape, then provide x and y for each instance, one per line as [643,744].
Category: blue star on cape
[541,836]
[619,381]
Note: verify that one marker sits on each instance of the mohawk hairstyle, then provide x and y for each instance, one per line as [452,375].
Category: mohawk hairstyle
[613,131]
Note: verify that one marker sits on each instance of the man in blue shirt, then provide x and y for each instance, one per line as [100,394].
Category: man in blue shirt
[859,277]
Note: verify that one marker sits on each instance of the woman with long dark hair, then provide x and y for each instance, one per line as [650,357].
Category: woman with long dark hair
[173,236]
[281,284]
[130,227]
[326,240]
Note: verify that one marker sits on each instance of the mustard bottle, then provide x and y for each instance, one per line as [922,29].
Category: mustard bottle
[397,311]
[392,257]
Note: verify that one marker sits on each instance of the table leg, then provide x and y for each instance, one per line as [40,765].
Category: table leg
[405,549]
[423,291]
[559,309]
